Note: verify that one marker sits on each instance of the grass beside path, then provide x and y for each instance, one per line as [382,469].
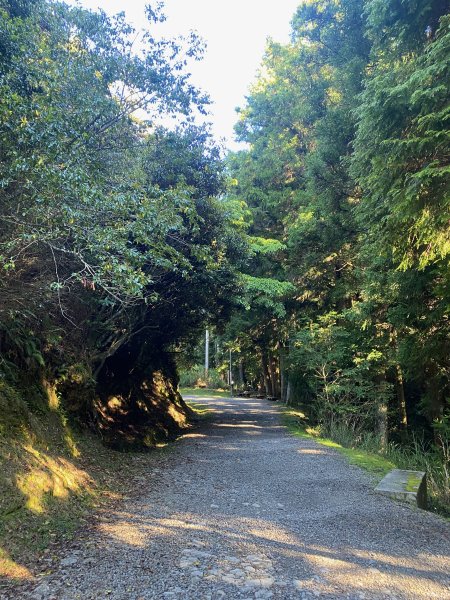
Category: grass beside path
[378,464]
[204,393]
[375,464]
[201,412]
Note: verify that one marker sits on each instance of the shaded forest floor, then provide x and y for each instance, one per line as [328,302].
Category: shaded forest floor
[52,480]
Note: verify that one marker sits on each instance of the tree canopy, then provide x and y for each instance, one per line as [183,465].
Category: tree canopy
[111,226]
[346,176]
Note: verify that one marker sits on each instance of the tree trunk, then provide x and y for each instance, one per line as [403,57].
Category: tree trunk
[288,392]
[242,378]
[283,374]
[398,384]
[216,354]
[383,425]
[273,370]
[401,400]
[265,371]
[435,402]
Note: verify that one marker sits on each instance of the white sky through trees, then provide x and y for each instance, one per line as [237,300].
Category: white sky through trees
[235,32]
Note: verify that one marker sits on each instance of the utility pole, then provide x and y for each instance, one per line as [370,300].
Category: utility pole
[231,376]
[206,356]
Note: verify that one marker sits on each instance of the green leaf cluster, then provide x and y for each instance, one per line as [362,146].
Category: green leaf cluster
[116,243]
[347,169]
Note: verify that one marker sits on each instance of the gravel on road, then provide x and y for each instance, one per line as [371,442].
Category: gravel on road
[241,509]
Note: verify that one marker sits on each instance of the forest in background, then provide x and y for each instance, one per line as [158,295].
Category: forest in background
[345,193]
[318,256]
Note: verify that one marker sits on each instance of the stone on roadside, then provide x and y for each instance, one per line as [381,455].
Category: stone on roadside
[238,572]
[42,591]
[264,582]
[263,594]
[232,559]
[410,486]
[299,584]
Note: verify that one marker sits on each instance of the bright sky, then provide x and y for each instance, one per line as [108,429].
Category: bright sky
[235,32]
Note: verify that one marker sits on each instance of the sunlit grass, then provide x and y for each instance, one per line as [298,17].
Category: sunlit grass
[201,412]
[377,465]
[204,393]
[200,409]
[12,569]
[47,475]
[50,481]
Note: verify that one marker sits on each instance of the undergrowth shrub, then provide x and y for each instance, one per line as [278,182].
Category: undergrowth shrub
[195,377]
[14,412]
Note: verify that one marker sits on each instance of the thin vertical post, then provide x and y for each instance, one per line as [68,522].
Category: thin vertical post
[206,355]
[231,376]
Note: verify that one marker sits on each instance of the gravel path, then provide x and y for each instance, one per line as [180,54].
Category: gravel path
[240,509]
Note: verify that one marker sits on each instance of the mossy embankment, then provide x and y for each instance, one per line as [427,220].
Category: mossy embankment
[205,392]
[55,475]
[51,477]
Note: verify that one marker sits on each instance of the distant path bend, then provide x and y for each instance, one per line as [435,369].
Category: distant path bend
[240,509]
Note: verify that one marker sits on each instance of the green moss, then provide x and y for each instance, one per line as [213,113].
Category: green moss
[200,412]
[412,483]
[374,463]
[199,409]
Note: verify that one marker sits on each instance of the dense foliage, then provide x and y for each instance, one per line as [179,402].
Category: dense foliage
[111,226]
[347,176]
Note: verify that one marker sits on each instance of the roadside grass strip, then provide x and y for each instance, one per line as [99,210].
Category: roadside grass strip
[375,464]
[204,393]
